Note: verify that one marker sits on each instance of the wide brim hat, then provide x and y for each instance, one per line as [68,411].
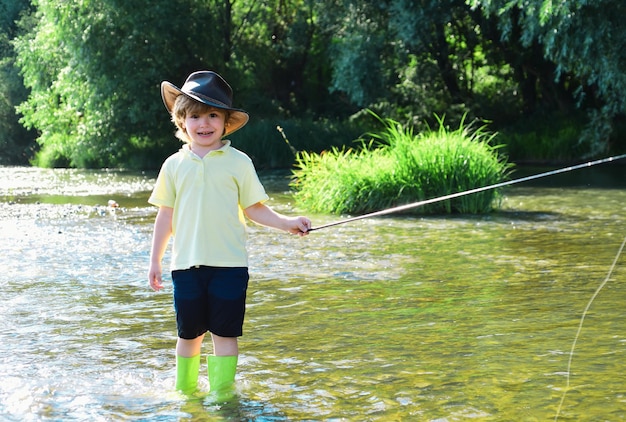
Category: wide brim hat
[208,88]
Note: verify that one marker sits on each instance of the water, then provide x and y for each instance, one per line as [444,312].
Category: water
[389,319]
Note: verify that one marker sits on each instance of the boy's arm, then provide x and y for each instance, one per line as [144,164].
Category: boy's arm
[162,233]
[264,215]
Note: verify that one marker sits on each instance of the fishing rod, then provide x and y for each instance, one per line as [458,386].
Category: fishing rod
[282,132]
[469,192]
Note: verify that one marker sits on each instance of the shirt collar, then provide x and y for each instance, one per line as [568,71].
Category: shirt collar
[223,149]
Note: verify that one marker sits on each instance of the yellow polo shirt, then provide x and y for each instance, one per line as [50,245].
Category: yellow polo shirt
[208,196]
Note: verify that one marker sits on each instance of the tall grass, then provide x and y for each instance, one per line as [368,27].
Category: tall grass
[397,167]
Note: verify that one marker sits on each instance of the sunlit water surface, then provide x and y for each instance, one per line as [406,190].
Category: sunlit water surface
[388,319]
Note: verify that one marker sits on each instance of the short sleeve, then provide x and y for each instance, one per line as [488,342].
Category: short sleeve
[164,192]
[251,189]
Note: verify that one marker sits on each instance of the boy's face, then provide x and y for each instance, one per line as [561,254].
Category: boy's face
[205,127]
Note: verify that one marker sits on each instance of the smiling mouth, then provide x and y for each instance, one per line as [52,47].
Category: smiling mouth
[205,133]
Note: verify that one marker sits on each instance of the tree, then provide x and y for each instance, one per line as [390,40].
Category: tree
[94,69]
[584,40]
[16,143]
[411,58]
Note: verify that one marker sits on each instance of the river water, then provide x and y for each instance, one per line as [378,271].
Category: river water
[385,319]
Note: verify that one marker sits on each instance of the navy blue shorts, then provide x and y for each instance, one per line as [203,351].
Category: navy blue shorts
[210,299]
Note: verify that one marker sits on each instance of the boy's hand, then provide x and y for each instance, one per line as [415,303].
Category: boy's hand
[155,277]
[300,226]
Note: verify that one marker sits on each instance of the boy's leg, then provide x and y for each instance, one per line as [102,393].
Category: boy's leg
[190,304]
[222,367]
[189,348]
[188,364]
[227,304]
[225,346]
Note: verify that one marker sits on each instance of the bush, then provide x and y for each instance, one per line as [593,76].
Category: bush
[545,137]
[401,168]
[264,143]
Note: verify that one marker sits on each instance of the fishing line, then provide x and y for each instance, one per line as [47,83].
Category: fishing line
[469,192]
[580,327]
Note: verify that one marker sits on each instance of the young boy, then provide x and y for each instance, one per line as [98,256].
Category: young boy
[203,192]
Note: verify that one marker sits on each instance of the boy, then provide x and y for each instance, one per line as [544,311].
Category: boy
[203,192]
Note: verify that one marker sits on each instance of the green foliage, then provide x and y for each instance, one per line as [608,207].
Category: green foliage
[94,69]
[263,142]
[16,143]
[545,137]
[402,168]
[91,70]
[585,42]
[410,60]
[358,51]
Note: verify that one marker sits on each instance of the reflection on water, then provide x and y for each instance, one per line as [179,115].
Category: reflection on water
[396,318]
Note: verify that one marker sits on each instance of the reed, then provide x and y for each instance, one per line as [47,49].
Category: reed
[397,167]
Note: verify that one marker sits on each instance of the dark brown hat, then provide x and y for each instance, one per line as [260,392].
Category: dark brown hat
[211,89]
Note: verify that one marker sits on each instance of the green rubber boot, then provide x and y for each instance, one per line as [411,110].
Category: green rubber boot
[222,371]
[187,373]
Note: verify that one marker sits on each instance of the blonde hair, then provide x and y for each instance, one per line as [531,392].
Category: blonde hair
[185,105]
